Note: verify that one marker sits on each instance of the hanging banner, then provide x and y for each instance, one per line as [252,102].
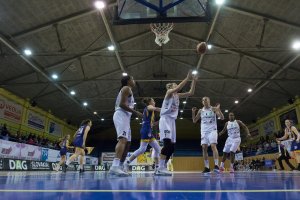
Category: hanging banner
[35,120]
[55,128]
[10,110]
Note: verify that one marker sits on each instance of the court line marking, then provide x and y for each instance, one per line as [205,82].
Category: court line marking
[152,191]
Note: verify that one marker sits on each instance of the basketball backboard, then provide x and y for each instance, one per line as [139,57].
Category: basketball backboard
[161,11]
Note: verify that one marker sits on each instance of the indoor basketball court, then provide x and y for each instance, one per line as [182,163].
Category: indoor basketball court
[149,99]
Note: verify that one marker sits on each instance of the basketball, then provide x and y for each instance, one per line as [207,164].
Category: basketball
[201,48]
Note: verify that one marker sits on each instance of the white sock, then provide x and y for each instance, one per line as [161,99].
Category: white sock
[162,163]
[222,164]
[116,162]
[217,162]
[206,163]
[68,162]
[81,166]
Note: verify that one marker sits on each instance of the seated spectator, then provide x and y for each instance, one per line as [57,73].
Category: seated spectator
[273,144]
[259,151]
[266,146]
[31,141]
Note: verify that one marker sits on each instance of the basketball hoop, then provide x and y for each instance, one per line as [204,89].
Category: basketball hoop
[162,31]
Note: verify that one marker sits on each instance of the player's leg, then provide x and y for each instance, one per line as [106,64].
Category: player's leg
[235,143]
[81,160]
[226,152]
[72,158]
[61,162]
[213,140]
[156,151]
[205,155]
[122,125]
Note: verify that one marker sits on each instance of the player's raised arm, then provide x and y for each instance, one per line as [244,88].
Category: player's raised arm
[181,85]
[192,90]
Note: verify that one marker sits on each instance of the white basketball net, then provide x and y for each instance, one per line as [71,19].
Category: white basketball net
[162,31]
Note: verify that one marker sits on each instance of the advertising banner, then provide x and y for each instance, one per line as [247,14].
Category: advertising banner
[269,127]
[9,110]
[35,120]
[23,151]
[30,152]
[9,149]
[239,156]
[55,129]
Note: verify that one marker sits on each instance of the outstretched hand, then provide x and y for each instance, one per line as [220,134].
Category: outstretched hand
[189,75]
[194,109]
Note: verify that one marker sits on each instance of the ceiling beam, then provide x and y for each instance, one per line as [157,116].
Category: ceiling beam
[51,24]
[155,80]
[112,40]
[260,16]
[39,70]
[211,29]
[75,58]
[94,78]
[224,75]
[265,83]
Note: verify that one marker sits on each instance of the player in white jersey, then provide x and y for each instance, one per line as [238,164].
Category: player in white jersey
[233,141]
[124,108]
[209,132]
[168,115]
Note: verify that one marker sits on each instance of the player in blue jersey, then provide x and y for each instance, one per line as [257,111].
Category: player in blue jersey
[79,144]
[146,133]
[64,146]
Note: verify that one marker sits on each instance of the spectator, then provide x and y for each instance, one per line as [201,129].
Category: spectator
[273,144]
[4,133]
[259,151]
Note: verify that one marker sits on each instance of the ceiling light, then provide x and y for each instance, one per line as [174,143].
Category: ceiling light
[73,92]
[102,119]
[226,111]
[95,113]
[85,103]
[296,45]
[137,118]
[124,74]
[134,103]
[27,52]
[181,118]
[209,46]
[54,76]
[250,90]
[220,2]
[181,111]
[219,117]
[194,72]
[99,5]
[184,102]
[236,101]
[111,48]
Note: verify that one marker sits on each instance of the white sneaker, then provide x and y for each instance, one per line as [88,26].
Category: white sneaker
[117,171]
[163,172]
[126,167]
